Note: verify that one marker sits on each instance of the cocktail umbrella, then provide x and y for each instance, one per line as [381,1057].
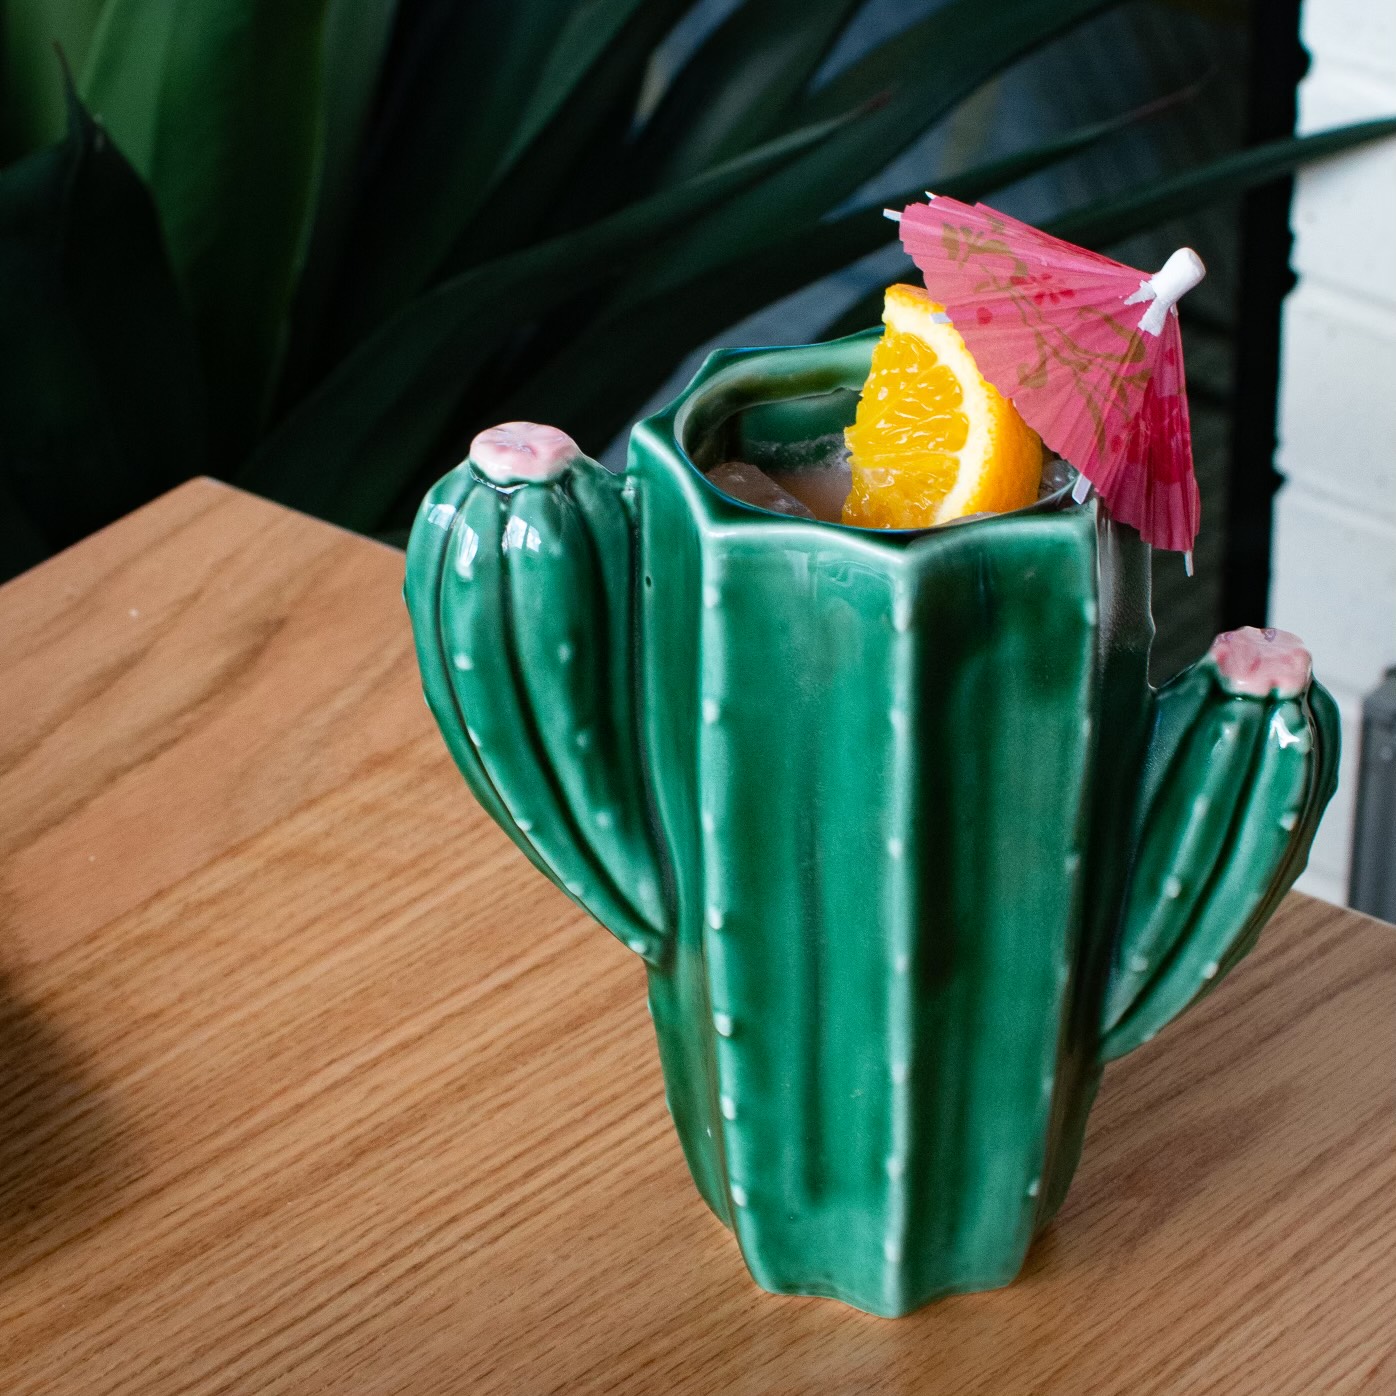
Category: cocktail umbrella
[1087,348]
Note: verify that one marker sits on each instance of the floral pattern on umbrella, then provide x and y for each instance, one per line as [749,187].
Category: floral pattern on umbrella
[1058,329]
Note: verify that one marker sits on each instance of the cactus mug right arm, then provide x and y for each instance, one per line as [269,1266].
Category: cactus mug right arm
[1242,759]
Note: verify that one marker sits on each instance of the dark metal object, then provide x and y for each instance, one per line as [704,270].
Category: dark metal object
[1373,885]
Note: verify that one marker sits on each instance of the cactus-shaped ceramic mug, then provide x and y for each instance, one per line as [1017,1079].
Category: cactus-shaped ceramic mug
[907,842]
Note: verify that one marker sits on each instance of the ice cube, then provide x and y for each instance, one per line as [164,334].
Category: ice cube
[814,469]
[820,488]
[811,479]
[745,482]
[1057,475]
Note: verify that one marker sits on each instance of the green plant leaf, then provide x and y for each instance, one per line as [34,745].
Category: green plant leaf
[589,30]
[911,81]
[217,105]
[570,163]
[347,452]
[32,105]
[355,41]
[735,89]
[863,314]
[1120,216]
[593,387]
[462,84]
[519,130]
[1113,219]
[100,399]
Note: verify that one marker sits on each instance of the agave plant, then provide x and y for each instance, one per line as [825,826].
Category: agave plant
[310,246]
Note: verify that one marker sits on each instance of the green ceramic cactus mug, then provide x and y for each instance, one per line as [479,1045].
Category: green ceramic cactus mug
[907,842]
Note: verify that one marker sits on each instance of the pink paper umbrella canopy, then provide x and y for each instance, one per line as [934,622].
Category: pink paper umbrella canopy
[1087,348]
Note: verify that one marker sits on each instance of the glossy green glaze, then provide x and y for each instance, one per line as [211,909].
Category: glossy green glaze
[908,843]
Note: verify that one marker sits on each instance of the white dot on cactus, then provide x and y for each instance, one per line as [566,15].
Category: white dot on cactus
[583,739]
[710,710]
[1085,727]
[524,825]
[1229,732]
[1072,863]
[1209,970]
[1288,820]
[897,717]
[473,735]
[463,661]
[573,889]
[901,616]
[1034,1187]
[604,819]
[723,1023]
[1046,1085]
[712,597]
[896,1166]
[739,1194]
[1279,729]
[892,1249]
[1201,805]
[901,963]
[638,946]
[707,821]
[1090,611]
[441,515]
[564,653]
[728,1107]
[899,1072]
[1173,888]
[895,847]
[1138,963]
[715,917]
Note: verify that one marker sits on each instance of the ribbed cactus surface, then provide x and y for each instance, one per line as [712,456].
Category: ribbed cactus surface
[1238,782]
[521,597]
[877,948]
[907,842]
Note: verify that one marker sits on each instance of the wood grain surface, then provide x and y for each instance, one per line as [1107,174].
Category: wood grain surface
[308,1083]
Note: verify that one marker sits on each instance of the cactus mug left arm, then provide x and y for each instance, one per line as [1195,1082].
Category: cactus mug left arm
[519,575]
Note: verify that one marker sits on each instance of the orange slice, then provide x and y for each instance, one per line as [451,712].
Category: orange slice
[932,440]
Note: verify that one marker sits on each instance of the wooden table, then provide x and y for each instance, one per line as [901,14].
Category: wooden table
[291,1104]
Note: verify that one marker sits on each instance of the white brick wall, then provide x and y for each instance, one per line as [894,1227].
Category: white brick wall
[1334,578]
